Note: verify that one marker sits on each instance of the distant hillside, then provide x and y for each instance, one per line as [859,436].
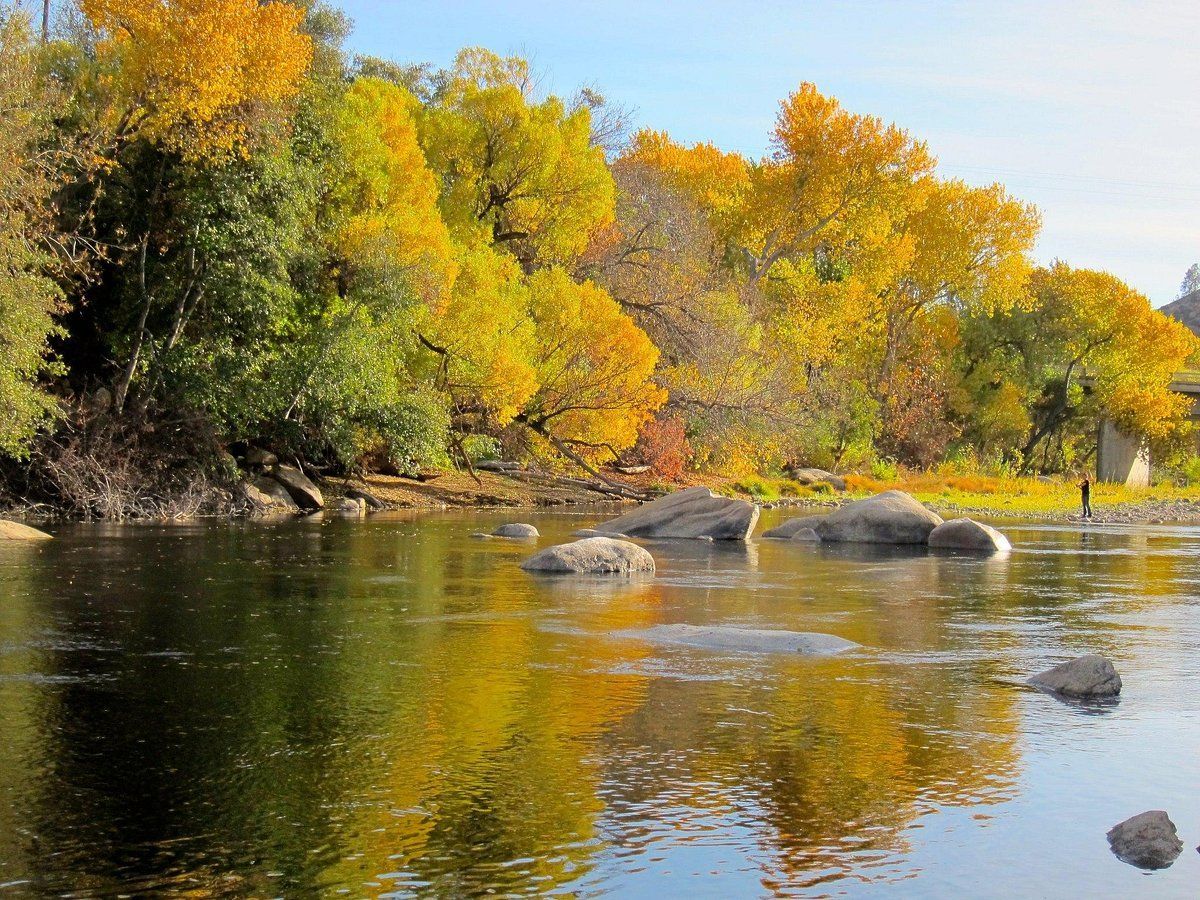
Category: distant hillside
[1186,309]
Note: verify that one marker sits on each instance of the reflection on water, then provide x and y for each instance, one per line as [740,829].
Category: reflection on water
[392,707]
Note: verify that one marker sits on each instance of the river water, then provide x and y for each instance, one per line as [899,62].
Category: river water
[392,708]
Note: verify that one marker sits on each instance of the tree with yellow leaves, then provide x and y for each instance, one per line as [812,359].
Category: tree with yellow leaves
[191,74]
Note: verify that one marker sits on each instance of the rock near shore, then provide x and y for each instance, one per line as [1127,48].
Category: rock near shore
[892,517]
[516,530]
[693,513]
[16,531]
[788,529]
[967,534]
[592,556]
[1147,840]
[301,489]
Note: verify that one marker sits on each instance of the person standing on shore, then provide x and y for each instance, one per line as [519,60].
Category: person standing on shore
[1085,493]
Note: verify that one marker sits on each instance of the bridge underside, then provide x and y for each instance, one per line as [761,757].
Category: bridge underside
[1125,459]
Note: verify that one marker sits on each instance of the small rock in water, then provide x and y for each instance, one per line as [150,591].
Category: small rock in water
[516,530]
[592,556]
[1148,840]
[1084,677]
[967,534]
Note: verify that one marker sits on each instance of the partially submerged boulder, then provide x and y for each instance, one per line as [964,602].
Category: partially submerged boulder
[967,534]
[751,640]
[1147,840]
[592,556]
[518,530]
[788,529]
[592,532]
[349,506]
[892,517]
[1085,677]
[694,513]
[806,536]
[16,531]
[819,476]
[306,494]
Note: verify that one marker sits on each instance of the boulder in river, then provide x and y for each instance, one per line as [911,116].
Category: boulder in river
[788,529]
[1147,840]
[306,494]
[967,534]
[694,513]
[16,531]
[806,536]
[1085,677]
[752,640]
[592,532]
[592,556]
[819,476]
[518,530]
[892,517]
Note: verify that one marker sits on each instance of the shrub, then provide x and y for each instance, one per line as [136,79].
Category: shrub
[663,446]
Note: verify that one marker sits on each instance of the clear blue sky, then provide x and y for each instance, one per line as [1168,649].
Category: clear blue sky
[1087,109]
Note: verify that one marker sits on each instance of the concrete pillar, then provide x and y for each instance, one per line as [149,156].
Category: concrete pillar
[1121,458]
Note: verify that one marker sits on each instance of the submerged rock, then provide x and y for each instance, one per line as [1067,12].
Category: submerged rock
[892,517]
[1148,840]
[789,528]
[806,536]
[306,494]
[592,556]
[967,534]
[1084,677]
[16,531]
[694,513]
[518,530]
[753,640]
[592,532]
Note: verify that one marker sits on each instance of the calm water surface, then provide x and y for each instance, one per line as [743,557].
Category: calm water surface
[390,707]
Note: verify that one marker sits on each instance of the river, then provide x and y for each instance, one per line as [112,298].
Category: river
[390,707]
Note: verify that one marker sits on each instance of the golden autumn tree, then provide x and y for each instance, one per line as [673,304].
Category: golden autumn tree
[593,365]
[190,74]
[519,173]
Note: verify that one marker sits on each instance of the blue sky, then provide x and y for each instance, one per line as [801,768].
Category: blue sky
[1087,109]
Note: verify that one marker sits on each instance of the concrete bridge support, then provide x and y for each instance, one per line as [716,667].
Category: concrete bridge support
[1121,458]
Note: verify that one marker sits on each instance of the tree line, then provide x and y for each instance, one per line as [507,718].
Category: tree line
[221,229]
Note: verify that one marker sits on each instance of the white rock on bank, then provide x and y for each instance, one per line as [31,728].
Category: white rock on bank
[1085,677]
[753,640]
[892,517]
[967,534]
[592,556]
[1147,840]
[694,513]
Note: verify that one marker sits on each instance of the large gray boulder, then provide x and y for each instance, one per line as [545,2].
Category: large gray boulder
[819,476]
[592,556]
[892,517]
[268,495]
[518,530]
[1085,677]
[1148,840]
[967,534]
[694,513]
[751,640]
[306,494]
[788,529]
[15,531]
